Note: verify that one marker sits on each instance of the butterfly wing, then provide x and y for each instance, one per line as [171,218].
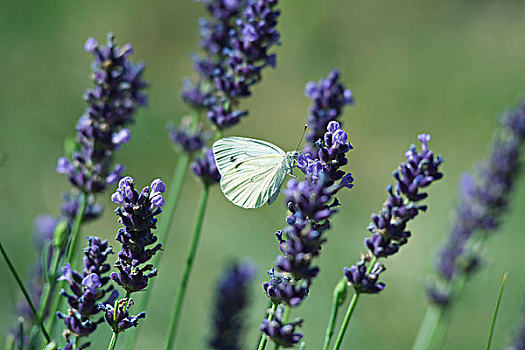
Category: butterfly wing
[252,171]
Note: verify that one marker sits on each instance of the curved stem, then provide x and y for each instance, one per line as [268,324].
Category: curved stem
[264,339]
[179,173]
[24,291]
[187,268]
[351,309]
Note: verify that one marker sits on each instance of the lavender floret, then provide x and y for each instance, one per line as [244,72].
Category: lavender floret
[282,333]
[187,137]
[205,168]
[102,128]
[362,281]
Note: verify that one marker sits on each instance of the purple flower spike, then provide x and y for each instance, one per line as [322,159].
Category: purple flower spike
[232,298]
[389,226]
[483,199]
[236,41]
[312,203]
[101,129]
[88,289]
[137,213]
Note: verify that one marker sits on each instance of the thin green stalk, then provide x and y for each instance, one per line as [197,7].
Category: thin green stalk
[428,327]
[70,248]
[75,230]
[496,310]
[172,200]
[338,300]
[113,341]
[264,339]
[303,346]
[187,268]
[24,291]
[351,309]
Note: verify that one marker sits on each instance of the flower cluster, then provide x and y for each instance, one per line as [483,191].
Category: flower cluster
[279,331]
[311,202]
[205,167]
[329,97]
[187,137]
[137,214]
[122,320]
[236,40]
[231,301]
[484,198]
[101,129]
[389,227]
[87,290]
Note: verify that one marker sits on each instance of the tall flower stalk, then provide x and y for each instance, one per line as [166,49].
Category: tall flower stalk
[484,199]
[389,228]
[312,203]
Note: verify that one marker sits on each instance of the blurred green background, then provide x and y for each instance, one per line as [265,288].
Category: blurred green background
[444,67]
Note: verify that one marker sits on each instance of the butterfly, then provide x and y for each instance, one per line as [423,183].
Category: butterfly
[252,171]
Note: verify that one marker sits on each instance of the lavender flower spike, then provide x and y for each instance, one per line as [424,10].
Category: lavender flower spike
[484,198]
[102,128]
[231,301]
[88,289]
[137,214]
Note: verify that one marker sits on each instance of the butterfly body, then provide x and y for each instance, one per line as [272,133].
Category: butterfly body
[252,171]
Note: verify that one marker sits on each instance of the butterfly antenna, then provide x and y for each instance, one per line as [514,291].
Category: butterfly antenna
[302,136]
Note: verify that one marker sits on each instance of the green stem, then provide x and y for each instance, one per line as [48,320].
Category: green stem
[177,180]
[264,339]
[113,341]
[336,303]
[351,309]
[500,294]
[434,328]
[70,248]
[75,230]
[187,268]
[346,320]
[24,291]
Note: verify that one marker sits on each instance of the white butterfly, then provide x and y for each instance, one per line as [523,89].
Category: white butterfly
[252,171]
